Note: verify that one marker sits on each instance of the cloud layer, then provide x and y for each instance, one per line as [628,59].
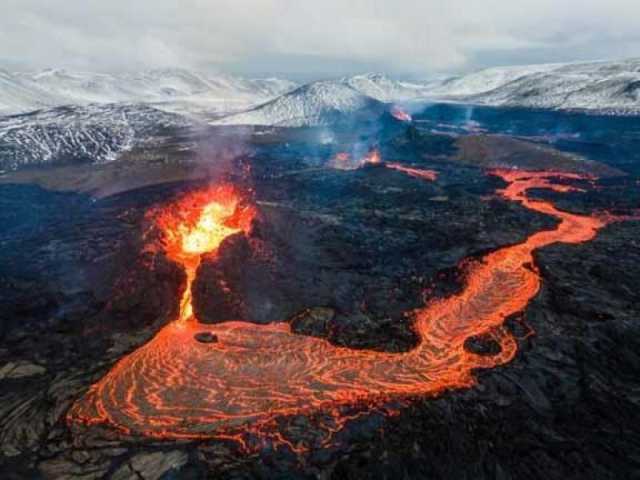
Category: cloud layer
[318,38]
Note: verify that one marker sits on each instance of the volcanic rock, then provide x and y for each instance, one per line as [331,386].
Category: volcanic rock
[499,151]
[206,337]
[482,345]
[20,370]
[146,295]
[151,466]
[315,321]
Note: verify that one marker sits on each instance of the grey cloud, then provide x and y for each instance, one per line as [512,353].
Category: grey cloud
[302,37]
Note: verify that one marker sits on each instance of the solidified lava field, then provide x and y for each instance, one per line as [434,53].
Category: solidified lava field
[427,305]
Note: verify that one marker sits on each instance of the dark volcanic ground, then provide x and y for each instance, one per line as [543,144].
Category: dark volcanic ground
[342,254]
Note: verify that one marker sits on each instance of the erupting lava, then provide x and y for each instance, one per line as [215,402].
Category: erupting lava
[345,161]
[176,387]
[197,224]
[400,114]
[372,158]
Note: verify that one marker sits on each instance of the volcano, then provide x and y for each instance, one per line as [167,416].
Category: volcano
[238,386]
[362,298]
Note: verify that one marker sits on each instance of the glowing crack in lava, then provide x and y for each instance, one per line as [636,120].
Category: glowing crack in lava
[175,387]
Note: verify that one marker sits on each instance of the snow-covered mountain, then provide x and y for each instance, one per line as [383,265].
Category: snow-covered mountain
[170,89]
[96,133]
[16,95]
[612,86]
[486,80]
[317,103]
[385,89]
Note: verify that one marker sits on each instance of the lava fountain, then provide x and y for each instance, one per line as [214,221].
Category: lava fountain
[175,387]
[372,157]
[195,224]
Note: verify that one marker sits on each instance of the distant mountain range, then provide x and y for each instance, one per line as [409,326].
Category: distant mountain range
[57,114]
[604,87]
[171,89]
[612,87]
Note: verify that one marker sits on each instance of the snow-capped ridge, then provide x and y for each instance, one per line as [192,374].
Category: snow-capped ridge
[316,103]
[94,133]
[385,89]
[607,86]
[23,92]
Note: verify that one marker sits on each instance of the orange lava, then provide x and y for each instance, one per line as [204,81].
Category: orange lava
[175,387]
[197,223]
[424,174]
[400,114]
[344,161]
[372,158]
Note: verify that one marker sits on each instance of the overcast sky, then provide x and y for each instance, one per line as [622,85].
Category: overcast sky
[317,38]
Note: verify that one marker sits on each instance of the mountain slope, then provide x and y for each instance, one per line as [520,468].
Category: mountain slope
[596,86]
[601,86]
[317,103]
[16,94]
[23,92]
[96,133]
[384,89]
[485,80]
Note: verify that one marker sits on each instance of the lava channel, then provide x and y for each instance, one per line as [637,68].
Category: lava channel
[344,161]
[176,387]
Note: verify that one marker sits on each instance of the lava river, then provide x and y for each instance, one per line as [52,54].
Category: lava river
[177,387]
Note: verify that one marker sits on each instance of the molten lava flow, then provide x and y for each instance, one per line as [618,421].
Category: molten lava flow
[400,114]
[175,387]
[424,174]
[197,224]
[344,161]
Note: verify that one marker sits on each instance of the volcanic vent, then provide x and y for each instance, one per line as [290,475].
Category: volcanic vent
[196,224]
